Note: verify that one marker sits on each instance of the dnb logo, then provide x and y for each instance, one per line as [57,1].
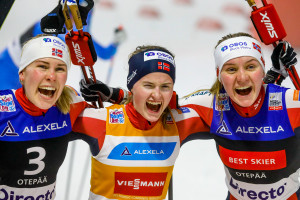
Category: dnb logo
[116,116]
[140,184]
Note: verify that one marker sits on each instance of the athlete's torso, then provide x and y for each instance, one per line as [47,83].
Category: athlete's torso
[32,148]
[260,153]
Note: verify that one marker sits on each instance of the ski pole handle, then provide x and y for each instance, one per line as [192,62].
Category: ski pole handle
[68,21]
[76,15]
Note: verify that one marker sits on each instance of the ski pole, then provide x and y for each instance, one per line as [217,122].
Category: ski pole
[81,46]
[270,30]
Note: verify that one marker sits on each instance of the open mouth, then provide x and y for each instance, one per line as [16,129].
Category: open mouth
[153,106]
[47,91]
[243,91]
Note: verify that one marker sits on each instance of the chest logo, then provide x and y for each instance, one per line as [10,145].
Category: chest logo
[9,130]
[223,129]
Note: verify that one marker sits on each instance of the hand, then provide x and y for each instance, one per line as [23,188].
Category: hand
[91,91]
[120,36]
[84,7]
[53,23]
[283,57]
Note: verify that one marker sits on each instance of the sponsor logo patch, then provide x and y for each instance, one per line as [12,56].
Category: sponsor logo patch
[267,194]
[9,130]
[7,103]
[142,151]
[250,160]
[223,103]
[140,184]
[223,129]
[275,101]
[116,116]
[151,55]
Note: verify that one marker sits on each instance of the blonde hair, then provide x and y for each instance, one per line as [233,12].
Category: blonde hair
[65,100]
[142,48]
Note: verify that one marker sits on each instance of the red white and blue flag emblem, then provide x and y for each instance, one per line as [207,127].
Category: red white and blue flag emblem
[164,66]
[57,52]
[257,47]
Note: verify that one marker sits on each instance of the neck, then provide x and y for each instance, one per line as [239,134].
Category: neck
[254,108]
[136,119]
[29,107]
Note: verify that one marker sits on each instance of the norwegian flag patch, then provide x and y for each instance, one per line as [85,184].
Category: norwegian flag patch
[57,52]
[163,66]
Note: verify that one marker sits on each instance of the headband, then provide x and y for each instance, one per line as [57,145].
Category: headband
[44,47]
[237,47]
[147,62]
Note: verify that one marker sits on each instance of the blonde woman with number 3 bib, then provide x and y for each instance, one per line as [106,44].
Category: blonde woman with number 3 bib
[35,121]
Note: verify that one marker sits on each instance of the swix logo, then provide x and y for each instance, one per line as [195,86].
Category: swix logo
[49,30]
[272,193]
[223,129]
[267,22]
[77,50]
[140,184]
[9,130]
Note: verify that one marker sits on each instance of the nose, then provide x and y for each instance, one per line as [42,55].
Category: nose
[242,75]
[51,75]
[156,93]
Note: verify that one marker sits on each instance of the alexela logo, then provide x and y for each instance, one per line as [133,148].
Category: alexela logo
[271,193]
[44,127]
[9,130]
[267,22]
[140,184]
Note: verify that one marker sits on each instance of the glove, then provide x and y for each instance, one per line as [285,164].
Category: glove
[91,91]
[119,36]
[53,23]
[84,7]
[282,57]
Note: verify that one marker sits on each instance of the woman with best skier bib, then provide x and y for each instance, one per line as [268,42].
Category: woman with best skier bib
[255,125]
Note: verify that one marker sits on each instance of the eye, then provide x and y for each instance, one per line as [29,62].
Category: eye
[42,66]
[166,87]
[61,69]
[251,67]
[231,70]
[148,85]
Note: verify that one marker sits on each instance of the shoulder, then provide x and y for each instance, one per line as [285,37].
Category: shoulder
[200,97]
[183,113]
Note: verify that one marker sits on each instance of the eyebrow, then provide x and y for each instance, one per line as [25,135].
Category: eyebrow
[45,62]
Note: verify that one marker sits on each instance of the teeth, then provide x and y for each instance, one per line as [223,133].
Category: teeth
[243,88]
[154,103]
[47,88]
